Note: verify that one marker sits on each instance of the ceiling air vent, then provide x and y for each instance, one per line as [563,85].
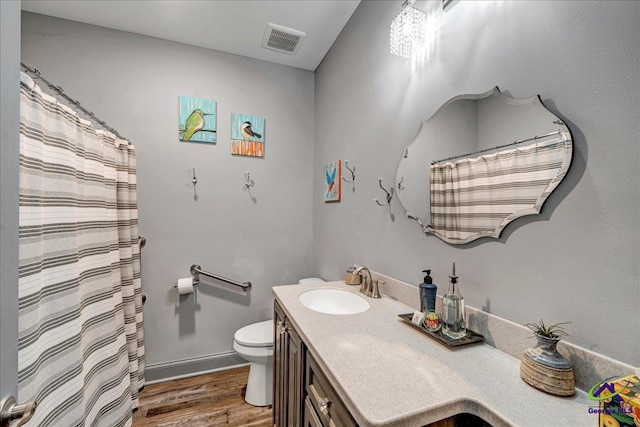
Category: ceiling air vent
[282,39]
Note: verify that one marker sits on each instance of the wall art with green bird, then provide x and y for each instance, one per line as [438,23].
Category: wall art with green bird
[198,120]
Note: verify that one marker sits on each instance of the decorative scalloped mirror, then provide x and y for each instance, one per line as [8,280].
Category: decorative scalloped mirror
[480,162]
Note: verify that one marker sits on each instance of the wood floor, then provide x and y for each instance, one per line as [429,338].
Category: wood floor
[207,400]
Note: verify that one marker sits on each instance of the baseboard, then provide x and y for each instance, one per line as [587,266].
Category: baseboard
[184,368]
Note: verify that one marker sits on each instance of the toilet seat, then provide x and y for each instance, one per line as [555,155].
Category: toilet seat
[255,335]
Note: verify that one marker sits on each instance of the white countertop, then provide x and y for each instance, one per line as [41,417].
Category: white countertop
[389,374]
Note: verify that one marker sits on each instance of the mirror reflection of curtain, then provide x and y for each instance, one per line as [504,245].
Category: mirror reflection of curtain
[477,197]
[81,342]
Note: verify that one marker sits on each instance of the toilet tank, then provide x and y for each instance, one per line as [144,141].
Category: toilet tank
[311,280]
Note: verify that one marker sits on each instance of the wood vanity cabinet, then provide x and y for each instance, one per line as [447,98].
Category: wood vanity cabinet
[302,394]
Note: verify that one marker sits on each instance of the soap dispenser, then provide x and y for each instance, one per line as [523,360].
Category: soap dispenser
[453,318]
[428,301]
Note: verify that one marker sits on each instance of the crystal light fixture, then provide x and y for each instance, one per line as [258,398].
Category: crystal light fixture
[408,30]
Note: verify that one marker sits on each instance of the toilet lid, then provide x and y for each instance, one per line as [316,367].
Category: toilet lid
[256,335]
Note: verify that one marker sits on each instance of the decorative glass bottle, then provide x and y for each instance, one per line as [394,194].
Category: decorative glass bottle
[453,319]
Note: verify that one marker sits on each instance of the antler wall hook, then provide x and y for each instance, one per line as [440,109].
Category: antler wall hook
[194,181]
[389,194]
[248,182]
[353,172]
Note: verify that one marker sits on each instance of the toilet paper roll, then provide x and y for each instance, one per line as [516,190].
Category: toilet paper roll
[185,285]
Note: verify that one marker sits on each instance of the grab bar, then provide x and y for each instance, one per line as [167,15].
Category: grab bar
[196,270]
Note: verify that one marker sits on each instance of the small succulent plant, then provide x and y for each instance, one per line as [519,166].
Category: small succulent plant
[554,331]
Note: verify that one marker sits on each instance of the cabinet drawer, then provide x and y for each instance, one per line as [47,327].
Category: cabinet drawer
[323,398]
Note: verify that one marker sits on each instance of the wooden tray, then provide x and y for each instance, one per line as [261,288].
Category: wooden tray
[471,337]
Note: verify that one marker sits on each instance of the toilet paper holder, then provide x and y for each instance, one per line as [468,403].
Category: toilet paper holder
[196,271]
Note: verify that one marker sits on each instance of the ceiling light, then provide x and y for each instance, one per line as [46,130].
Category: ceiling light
[408,30]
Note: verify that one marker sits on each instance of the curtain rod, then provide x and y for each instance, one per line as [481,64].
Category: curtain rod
[558,132]
[76,103]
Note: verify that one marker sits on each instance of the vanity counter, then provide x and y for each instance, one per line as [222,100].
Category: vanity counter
[389,374]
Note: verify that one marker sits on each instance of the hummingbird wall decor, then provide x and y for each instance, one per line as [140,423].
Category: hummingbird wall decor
[197,120]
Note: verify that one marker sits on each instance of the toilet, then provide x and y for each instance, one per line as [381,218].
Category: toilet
[254,343]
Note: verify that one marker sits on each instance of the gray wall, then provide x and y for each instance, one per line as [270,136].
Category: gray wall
[133,83]
[580,260]
[9,148]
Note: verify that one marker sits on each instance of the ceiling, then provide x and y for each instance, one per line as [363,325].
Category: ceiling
[229,26]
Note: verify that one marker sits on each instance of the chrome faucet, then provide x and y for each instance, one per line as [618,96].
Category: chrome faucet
[369,287]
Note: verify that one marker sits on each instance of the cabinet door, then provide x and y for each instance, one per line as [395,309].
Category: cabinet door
[279,372]
[295,385]
[288,372]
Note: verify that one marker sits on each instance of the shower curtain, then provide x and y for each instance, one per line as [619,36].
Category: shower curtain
[80,338]
[478,197]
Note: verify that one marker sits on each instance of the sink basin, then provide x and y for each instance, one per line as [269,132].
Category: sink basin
[333,301]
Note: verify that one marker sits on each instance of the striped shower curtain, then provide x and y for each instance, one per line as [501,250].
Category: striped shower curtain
[80,338]
[472,198]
